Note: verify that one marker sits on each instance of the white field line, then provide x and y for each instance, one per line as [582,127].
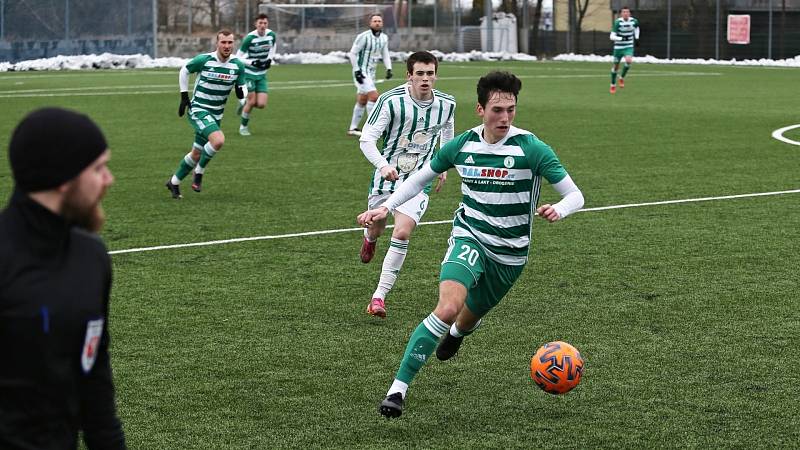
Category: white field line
[439,222]
[279,86]
[778,134]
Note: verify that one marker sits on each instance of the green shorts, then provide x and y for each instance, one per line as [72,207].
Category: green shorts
[620,53]
[257,83]
[204,124]
[486,280]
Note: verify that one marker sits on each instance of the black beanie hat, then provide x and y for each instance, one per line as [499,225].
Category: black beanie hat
[52,146]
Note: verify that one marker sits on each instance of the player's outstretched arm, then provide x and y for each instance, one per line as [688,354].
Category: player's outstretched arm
[571,201]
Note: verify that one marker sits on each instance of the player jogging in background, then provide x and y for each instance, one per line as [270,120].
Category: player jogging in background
[368,47]
[625,34]
[218,73]
[501,168]
[257,51]
[410,118]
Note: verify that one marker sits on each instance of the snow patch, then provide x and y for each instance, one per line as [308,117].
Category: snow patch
[138,61]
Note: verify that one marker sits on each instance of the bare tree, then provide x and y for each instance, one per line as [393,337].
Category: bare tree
[537,17]
[581,6]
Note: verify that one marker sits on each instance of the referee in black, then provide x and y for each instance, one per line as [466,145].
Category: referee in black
[55,280]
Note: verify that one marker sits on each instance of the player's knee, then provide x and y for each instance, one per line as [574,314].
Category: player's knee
[452,296]
[217,141]
[402,232]
[446,312]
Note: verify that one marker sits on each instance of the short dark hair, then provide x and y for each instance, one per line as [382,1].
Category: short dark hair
[369,18]
[497,82]
[262,16]
[421,57]
[224,32]
[624,7]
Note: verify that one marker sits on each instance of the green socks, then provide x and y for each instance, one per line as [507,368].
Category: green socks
[420,346]
[206,155]
[186,166]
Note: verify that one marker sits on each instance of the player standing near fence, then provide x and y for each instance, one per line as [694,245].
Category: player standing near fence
[256,51]
[368,47]
[625,34]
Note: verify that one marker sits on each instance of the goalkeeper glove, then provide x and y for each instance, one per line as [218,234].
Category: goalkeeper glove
[389,74]
[184,103]
[266,64]
[256,63]
[359,76]
[239,92]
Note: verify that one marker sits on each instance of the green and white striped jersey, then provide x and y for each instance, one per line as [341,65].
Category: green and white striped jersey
[367,50]
[214,82]
[255,47]
[410,131]
[626,29]
[500,185]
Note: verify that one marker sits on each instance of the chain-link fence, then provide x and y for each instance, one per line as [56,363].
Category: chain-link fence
[699,28]
[670,28]
[31,29]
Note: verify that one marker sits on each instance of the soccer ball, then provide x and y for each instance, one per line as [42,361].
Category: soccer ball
[557,367]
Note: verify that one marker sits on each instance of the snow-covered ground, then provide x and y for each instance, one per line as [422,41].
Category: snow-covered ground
[109,61]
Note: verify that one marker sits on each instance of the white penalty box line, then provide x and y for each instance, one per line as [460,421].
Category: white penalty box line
[440,222]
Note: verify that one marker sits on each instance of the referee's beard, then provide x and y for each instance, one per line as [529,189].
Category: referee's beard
[82,211]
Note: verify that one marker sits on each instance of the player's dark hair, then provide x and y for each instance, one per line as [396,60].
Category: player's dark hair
[625,7]
[224,32]
[421,57]
[369,18]
[262,16]
[497,82]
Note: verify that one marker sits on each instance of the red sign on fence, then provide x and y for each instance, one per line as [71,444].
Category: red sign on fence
[738,28]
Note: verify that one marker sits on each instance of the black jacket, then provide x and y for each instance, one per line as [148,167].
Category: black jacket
[55,372]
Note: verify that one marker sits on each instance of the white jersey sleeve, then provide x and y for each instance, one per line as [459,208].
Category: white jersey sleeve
[387,60]
[358,44]
[411,187]
[242,56]
[183,79]
[370,135]
[571,197]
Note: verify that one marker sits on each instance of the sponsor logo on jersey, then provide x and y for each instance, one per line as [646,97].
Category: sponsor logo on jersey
[485,173]
[219,76]
[469,160]
[91,344]
[420,140]
[406,162]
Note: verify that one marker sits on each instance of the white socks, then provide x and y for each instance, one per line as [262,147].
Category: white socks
[358,113]
[392,264]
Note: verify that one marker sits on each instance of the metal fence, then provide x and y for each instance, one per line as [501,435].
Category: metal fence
[698,28]
[670,28]
[31,29]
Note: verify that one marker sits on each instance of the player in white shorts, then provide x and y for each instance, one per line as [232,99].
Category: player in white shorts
[368,47]
[410,118]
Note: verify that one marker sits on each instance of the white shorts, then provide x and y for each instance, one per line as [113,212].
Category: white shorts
[413,208]
[367,86]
